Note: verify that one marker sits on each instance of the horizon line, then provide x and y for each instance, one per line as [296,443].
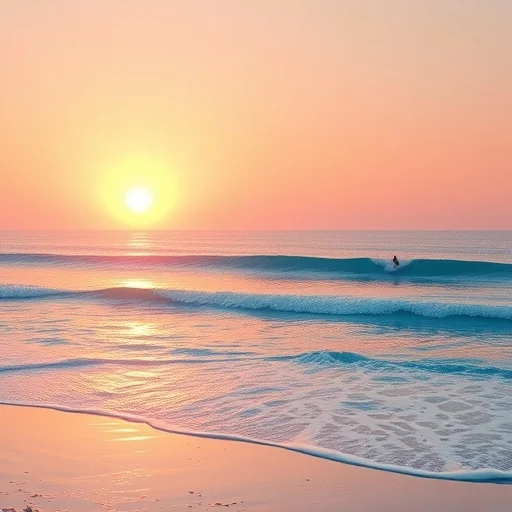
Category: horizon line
[253,230]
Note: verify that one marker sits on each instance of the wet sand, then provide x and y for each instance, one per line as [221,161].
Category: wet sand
[52,460]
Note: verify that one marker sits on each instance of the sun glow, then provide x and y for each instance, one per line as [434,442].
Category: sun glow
[139,191]
[139,199]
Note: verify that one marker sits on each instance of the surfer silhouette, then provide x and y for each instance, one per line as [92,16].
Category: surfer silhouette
[396,263]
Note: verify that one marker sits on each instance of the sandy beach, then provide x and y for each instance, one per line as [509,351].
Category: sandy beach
[53,460]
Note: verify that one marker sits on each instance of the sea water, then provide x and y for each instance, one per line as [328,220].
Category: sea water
[307,340]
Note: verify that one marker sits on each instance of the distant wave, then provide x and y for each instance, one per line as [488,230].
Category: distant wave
[302,304]
[350,268]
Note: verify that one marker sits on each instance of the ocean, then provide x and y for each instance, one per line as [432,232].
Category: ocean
[308,340]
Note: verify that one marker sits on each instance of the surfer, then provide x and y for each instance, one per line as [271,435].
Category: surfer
[396,263]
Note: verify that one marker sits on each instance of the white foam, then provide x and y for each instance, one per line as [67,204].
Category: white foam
[329,305]
[19,291]
[389,266]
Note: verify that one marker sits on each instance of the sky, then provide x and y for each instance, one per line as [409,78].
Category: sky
[264,114]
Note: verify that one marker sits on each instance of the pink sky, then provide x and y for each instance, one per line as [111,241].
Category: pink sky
[267,114]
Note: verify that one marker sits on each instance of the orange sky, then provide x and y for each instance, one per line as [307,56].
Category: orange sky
[267,114]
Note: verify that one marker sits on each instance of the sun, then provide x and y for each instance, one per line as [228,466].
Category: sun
[139,190]
[139,199]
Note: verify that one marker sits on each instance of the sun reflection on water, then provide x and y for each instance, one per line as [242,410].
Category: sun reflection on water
[139,329]
[139,244]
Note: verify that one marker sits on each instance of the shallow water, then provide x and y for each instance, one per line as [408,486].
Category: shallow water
[304,339]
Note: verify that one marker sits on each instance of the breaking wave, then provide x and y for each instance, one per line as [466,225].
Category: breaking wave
[286,304]
[337,268]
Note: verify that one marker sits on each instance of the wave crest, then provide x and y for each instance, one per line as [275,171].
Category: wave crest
[18,291]
[350,268]
[445,366]
[286,304]
[335,305]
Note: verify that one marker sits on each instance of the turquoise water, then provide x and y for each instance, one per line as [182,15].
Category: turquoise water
[310,340]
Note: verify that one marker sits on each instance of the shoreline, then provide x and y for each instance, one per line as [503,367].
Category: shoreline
[55,460]
[478,476]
